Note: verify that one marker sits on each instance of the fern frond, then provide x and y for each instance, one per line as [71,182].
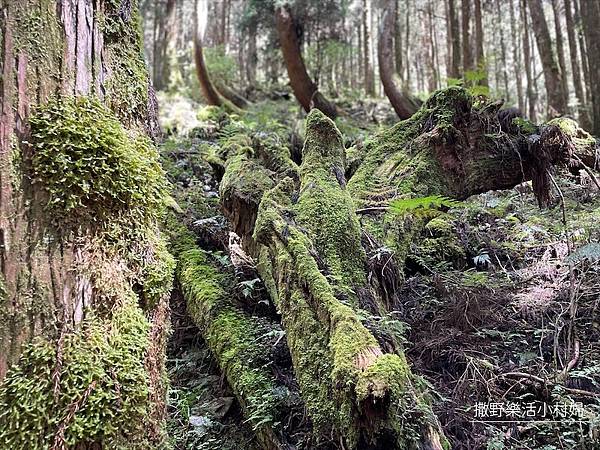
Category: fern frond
[422,204]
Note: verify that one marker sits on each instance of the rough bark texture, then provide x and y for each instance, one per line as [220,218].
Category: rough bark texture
[467,56]
[304,88]
[163,48]
[58,283]
[552,76]
[531,94]
[402,103]
[480,57]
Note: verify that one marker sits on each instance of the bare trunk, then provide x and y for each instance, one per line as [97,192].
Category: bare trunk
[164,46]
[517,60]
[552,77]
[304,88]
[467,56]
[480,57]
[210,94]
[531,95]
[455,38]
[583,115]
[560,51]
[402,104]
[368,69]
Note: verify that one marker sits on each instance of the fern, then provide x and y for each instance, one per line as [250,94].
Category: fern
[422,205]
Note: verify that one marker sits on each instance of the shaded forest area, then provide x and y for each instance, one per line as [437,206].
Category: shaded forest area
[296,225]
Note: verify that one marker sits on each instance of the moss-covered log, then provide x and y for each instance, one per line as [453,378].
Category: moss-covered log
[310,246]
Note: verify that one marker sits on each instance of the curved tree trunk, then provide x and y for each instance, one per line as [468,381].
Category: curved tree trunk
[402,104]
[163,47]
[305,90]
[82,334]
[209,92]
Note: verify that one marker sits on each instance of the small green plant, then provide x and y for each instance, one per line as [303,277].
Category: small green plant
[89,169]
[422,206]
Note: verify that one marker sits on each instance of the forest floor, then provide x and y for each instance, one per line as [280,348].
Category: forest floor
[499,302]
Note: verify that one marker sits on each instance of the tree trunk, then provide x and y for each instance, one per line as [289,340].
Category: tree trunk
[582,112]
[552,77]
[210,94]
[89,278]
[480,57]
[163,52]
[531,96]
[398,40]
[466,36]
[503,52]
[560,51]
[304,88]
[590,12]
[251,57]
[368,75]
[517,60]
[402,104]
[455,37]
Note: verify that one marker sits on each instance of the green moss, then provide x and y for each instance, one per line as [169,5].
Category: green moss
[102,374]
[325,210]
[235,339]
[571,128]
[127,83]
[90,170]
[158,273]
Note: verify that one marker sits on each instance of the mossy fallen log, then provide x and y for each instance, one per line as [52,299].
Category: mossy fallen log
[310,247]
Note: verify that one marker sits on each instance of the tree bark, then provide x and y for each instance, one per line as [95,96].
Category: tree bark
[531,95]
[455,38]
[398,40]
[210,94]
[368,69]
[552,76]
[402,103]
[560,51]
[590,12]
[163,49]
[517,60]
[66,312]
[305,90]
[480,57]
[467,56]
[582,112]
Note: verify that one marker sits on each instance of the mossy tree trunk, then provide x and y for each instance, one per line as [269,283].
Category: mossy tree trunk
[314,229]
[83,307]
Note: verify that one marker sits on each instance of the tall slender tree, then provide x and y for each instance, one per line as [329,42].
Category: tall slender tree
[552,75]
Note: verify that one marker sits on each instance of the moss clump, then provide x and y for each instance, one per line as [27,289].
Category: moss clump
[158,273]
[102,379]
[90,170]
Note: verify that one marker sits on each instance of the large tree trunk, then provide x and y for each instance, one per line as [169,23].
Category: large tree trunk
[552,76]
[88,279]
[560,51]
[517,59]
[402,103]
[304,88]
